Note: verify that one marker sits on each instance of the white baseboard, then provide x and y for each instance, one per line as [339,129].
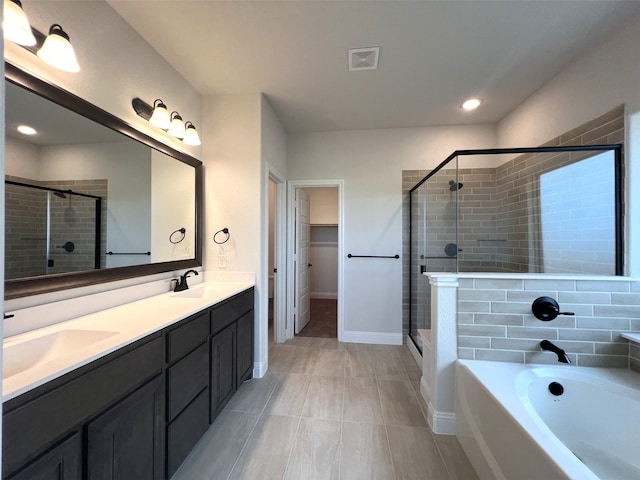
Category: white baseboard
[372,337]
[259,369]
[324,295]
[443,423]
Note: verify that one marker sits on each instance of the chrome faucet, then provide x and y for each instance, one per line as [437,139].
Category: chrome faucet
[562,355]
[181,284]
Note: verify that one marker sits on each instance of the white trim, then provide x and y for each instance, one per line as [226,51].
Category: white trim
[292,185]
[324,295]
[372,337]
[443,423]
[279,301]
[259,369]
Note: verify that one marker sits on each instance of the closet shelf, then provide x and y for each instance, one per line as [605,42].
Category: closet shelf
[324,224]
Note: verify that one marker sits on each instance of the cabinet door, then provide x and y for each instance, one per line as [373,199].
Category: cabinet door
[223,368]
[63,462]
[245,347]
[127,441]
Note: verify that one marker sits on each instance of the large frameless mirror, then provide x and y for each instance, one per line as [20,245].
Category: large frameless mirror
[88,198]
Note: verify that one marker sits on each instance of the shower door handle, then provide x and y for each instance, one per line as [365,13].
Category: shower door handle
[423,268]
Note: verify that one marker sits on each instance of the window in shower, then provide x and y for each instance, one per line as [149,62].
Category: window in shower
[577,217]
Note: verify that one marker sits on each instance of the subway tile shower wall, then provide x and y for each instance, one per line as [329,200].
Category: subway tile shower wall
[495,321]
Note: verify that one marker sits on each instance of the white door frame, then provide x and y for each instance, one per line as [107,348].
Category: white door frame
[280,254]
[292,186]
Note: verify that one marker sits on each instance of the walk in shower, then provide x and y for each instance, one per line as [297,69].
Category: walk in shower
[533,210]
[50,230]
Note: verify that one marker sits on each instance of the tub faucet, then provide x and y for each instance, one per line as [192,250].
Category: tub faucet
[181,284]
[562,355]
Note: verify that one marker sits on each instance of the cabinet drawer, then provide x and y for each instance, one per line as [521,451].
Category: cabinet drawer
[186,337]
[35,425]
[185,431]
[231,310]
[186,378]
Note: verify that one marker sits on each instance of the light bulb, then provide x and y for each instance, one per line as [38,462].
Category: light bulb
[191,136]
[177,126]
[57,50]
[160,116]
[16,25]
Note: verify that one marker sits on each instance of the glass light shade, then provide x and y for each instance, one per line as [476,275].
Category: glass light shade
[57,50]
[177,126]
[16,25]
[160,116]
[191,136]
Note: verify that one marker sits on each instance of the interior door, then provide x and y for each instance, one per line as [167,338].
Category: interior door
[302,260]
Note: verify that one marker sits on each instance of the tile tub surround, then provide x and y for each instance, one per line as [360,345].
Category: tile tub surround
[327,409]
[495,321]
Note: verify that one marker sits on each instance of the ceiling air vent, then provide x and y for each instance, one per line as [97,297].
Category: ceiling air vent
[365,58]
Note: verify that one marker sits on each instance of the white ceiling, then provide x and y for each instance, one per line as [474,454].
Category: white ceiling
[434,54]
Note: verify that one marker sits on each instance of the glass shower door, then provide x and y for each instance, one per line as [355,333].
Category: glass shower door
[433,241]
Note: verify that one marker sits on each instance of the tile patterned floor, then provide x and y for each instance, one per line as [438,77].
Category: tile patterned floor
[328,410]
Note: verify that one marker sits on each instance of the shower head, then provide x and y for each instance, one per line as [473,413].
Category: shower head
[59,194]
[453,186]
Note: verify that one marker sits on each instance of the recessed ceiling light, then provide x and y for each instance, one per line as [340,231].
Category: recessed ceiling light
[27,130]
[471,104]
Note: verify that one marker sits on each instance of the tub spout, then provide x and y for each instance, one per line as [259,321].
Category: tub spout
[562,355]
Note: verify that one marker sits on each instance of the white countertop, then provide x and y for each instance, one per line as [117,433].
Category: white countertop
[113,328]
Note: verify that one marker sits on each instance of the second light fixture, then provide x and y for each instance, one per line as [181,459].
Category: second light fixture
[159,116]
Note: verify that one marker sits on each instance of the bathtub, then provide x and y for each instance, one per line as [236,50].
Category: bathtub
[512,427]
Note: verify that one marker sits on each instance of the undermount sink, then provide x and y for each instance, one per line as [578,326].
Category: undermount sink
[204,291]
[19,356]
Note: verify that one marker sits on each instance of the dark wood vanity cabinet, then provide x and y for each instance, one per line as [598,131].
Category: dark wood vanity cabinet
[62,462]
[232,331]
[138,412]
[187,387]
[127,441]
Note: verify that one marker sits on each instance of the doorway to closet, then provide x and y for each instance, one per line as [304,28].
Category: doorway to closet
[314,257]
[317,246]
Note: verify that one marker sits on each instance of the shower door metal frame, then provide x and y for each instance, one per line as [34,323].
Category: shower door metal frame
[619,197]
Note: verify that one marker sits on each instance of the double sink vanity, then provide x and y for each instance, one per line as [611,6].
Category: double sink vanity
[126,392]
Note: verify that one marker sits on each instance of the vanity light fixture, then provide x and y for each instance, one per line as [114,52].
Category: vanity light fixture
[57,51]
[15,24]
[158,115]
[191,136]
[54,49]
[471,104]
[177,126]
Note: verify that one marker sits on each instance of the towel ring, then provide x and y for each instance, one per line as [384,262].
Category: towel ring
[180,230]
[224,231]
